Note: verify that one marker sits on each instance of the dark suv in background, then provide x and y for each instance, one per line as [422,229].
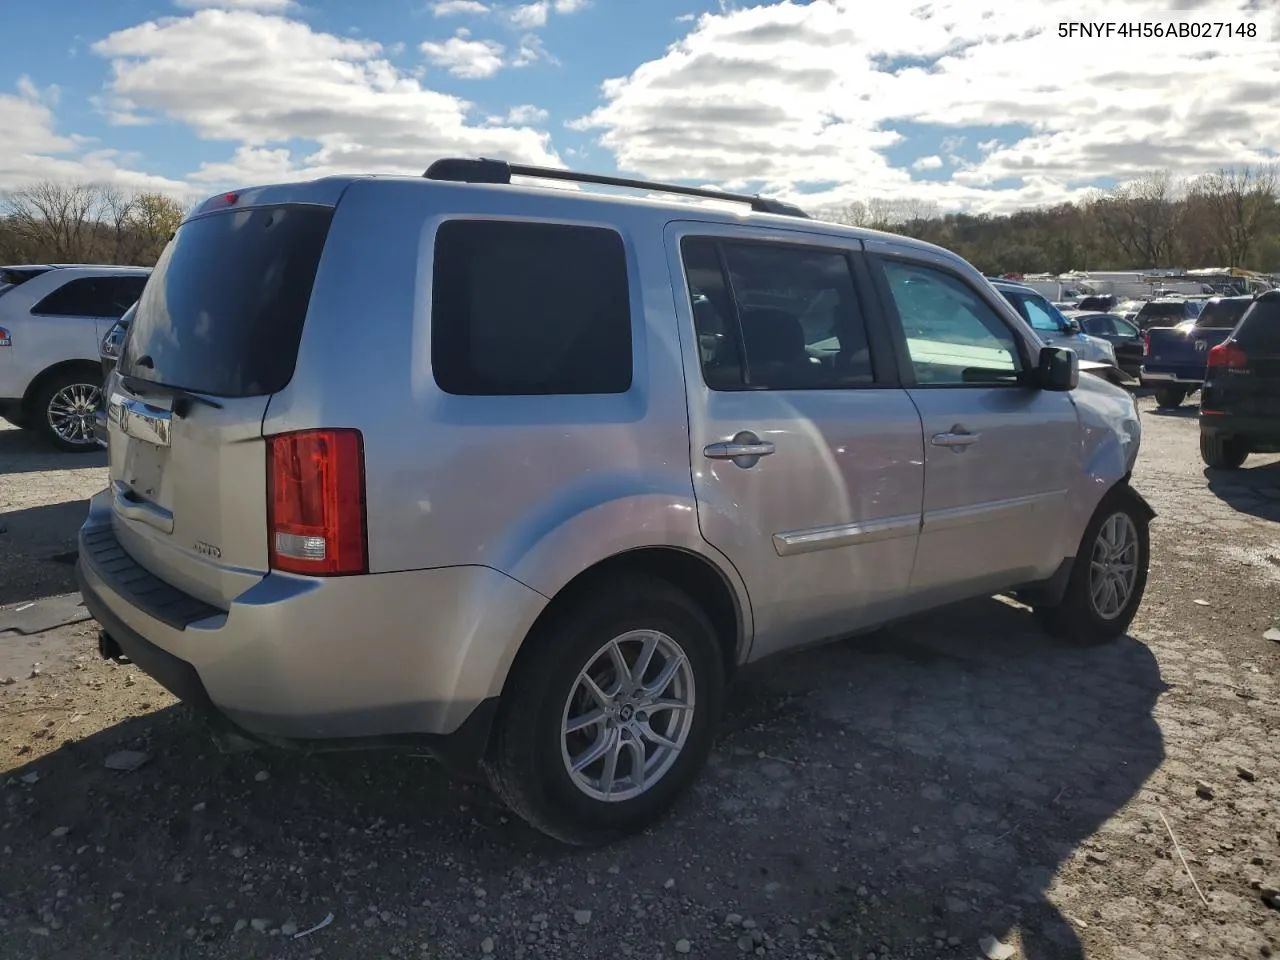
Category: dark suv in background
[1240,399]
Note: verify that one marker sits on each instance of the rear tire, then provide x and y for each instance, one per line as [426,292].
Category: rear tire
[1222,453]
[569,666]
[63,409]
[1116,541]
[1170,398]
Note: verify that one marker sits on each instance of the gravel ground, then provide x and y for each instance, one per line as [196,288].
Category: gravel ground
[906,795]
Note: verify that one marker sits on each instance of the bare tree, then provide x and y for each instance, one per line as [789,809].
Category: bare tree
[152,221]
[118,210]
[1235,203]
[880,213]
[1142,218]
[57,218]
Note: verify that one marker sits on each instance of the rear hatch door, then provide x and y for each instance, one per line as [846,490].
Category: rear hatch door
[1254,390]
[215,334]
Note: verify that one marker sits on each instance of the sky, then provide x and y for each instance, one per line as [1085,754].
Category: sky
[977,105]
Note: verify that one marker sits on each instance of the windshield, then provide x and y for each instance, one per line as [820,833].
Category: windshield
[1222,313]
[224,309]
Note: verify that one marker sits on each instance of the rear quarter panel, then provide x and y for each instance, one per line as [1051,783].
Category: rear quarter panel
[539,488]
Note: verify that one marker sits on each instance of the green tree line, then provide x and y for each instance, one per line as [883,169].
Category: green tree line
[51,222]
[1228,218]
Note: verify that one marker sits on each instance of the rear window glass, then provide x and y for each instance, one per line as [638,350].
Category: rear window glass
[224,310]
[106,297]
[1260,328]
[519,309]
[1222,313]
[1164,310]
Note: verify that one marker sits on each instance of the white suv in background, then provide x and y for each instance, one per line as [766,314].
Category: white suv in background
[52,319]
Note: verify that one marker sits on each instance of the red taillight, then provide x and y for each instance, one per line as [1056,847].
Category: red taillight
[1146,344]
[1228,356]
[315,503]
[230,198]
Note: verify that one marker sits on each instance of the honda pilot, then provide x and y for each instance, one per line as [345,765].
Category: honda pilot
[524,475]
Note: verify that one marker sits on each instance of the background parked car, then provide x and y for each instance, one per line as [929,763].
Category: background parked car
[1174,358]
[1166,312]
[52,319]
[1124,336]
[1051,325]
[1240,401]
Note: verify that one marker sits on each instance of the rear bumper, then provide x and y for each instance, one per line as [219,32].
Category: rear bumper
[377,660]
[1162,378]
[1264,431]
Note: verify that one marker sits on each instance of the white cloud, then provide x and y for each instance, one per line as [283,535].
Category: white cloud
[264,83]
[927,163]
[792,95]
[530,15]
[32,149]
[526,114]
[570,6]
[264,6]
[530,51]
[463,57]
[454,8]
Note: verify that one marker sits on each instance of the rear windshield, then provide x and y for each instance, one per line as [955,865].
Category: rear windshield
[1221,313]
[224,309]
[1260,329]
[1164,310]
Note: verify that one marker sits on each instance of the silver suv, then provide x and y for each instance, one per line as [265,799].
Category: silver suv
[524,475]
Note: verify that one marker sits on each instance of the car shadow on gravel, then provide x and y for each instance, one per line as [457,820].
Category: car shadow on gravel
[24,451]
[1254,490]
[1183,412]
[923,783]
[38,550]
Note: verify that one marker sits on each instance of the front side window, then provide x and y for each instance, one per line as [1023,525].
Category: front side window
[1101,326]
[775,316]
[953,336]
[522,309]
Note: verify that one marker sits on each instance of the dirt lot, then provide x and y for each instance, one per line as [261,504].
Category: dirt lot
[903,796]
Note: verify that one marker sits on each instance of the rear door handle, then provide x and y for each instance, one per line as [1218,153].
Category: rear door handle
[745,449]
[955,439]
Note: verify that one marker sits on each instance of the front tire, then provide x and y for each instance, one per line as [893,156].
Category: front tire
[1109,575]
[1170,398]
[1222,453]
[63,410]
[611,713]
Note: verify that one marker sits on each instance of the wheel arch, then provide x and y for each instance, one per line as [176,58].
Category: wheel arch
[39,381]
[695,574]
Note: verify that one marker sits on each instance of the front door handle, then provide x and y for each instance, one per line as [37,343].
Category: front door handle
[745,449]
[956,439]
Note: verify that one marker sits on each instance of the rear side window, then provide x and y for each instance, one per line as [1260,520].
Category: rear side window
[1259,330]
[521,309]
[1221,313]
[791,312]
[92,297]
[224,310]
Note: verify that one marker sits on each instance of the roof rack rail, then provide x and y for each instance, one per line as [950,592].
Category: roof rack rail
[466,170]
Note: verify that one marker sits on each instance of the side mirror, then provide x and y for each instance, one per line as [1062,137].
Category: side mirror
[1058,369]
